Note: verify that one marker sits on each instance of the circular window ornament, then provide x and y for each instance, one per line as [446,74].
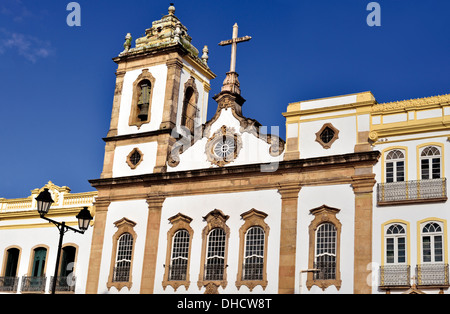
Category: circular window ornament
[327,135]
[134,158]
[223,147]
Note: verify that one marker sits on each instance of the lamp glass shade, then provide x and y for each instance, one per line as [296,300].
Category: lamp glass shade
[44,201]
[84,218]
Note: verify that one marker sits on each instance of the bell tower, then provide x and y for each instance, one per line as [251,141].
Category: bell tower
[162,85]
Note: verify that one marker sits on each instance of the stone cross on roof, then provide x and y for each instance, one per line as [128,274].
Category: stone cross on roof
[233,42]
[231,82]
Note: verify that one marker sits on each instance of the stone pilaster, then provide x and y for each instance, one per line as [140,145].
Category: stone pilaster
[155,204]
[363,189]
[174,67]
[288,238]
[101,211]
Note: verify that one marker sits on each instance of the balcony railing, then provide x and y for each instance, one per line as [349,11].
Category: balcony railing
[432,275]
[8,284]
[178,272]
[395,276]
[64,284]
[412,191]
[214,272]
[33,284]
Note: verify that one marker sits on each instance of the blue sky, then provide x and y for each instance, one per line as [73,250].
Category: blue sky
[57,82]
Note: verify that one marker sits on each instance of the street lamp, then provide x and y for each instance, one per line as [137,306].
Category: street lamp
[44,201]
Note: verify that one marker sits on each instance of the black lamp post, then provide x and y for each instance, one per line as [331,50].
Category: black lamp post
[44,201]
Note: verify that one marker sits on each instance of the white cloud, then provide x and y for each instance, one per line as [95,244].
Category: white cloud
[29,47]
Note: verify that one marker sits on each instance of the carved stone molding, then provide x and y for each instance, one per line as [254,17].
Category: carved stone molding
[223,135]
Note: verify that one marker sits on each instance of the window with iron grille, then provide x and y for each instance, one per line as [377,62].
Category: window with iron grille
[430,163]
[326,252]
[215,259]
[395,166]
[254,254]
[180,254]
[327,135]
[123,259]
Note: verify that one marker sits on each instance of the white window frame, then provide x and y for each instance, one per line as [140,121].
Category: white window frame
[395,164]
[396,245]
[256,251]
[429,160]
[182,253]
[330,250]
[433,241]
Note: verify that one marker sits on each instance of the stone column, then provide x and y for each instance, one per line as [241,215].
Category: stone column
[116,104]
[288,238]
[363,189]
[174,67]
[101,211]
[155,204]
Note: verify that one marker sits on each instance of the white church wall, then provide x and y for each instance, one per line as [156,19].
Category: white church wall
[337,196]
[136,211]
[121,167]
[345,144]
[159,72]
[233,205]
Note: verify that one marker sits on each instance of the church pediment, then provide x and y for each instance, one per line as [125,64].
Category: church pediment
[229,138]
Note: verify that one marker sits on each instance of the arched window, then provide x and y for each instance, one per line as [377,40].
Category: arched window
[324,248]
[395,166]
[180,255]
[9,280]
[215,259]
[254,254]
[326,251]
[120,273]
[430,163]
[141,101]
[213,269]
[395,238]
[190,111]
[432,243]
[145,88]
[123,258]
[40,254]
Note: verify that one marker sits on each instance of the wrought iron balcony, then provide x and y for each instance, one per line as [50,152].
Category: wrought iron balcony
[395,276]
[8,284]
[433,190]
[121,274]
[252,271]
[64,284]
[435,274]
[33,284]
[214,271]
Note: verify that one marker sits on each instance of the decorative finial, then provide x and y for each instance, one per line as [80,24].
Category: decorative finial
[127,44]
[177,31]
[171,9]
[205,56]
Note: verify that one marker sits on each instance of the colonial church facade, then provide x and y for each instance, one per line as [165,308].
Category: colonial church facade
[353,201]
